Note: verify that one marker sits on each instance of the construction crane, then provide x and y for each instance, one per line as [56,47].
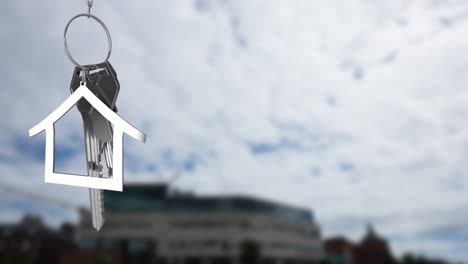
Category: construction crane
[24,193]
[40,197]
[174,177]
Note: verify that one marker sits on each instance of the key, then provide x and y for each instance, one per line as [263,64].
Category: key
[106,87]
[101,139]
[101,80]
[105,82]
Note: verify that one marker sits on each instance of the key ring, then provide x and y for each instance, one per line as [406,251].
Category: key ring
[90,4]
[109,40]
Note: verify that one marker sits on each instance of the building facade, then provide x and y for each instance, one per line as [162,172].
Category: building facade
[148,223]
[371,249]
[32,241]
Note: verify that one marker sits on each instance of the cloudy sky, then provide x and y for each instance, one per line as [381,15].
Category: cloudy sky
[355,109]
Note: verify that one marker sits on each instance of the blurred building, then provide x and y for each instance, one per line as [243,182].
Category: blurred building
[372,249]
[340,250]
[150,223]
[31,241]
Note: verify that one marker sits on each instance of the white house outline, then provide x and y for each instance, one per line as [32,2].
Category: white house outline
[120,126]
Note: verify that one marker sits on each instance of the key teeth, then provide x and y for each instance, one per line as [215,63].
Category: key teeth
[101,206]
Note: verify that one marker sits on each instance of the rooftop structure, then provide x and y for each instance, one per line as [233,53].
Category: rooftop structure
[151,222]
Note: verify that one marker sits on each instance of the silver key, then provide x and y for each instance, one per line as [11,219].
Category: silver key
[94,170]
[98,131]
[99,141]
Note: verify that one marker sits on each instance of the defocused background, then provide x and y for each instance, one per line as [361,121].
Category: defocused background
[277,131]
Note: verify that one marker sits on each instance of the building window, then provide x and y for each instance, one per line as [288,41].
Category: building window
[107,243]
[137,246]
[88,243]
[199,224]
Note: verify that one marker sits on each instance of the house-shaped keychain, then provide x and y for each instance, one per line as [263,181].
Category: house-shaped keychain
[115,183]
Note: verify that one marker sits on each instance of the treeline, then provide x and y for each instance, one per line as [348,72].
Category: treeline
[414,259]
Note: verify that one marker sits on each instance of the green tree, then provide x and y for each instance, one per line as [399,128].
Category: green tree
[100,260]
[20,259]
[250,252]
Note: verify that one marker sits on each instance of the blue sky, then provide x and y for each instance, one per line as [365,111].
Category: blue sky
[354,109]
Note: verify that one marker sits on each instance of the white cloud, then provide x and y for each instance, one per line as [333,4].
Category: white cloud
[363,101]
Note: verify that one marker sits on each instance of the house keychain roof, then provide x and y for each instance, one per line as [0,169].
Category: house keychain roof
[115,183]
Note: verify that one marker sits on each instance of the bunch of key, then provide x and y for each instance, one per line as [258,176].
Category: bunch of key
[101,79]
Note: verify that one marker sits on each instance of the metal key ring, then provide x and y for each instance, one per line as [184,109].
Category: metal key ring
[109,40]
